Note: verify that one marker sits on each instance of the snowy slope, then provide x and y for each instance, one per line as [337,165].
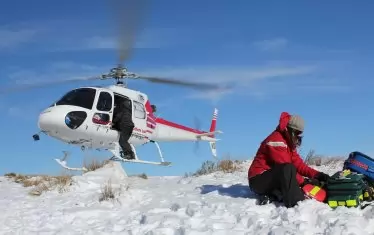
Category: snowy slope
[212,204]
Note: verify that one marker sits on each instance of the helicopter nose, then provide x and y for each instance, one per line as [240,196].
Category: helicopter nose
[48,121]
[57,120]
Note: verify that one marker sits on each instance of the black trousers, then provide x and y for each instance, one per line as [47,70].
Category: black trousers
[124,137]
[279,182]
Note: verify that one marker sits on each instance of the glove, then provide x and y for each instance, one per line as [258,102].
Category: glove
[311,181]
[322,177]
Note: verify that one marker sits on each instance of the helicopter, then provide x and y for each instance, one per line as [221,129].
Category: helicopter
[83,117]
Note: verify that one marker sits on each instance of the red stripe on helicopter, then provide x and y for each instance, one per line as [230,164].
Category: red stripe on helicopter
[151,117]
[152,126]
[136,129]
[151,122]
[178,126]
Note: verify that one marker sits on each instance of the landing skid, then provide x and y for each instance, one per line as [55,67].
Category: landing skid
[116,156]
[62,162]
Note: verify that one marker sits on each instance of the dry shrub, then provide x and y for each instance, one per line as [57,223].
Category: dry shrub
[225,165]
[319,160]
[61,183]
[35,181]
[42,183]
[207,167]
[143,176]
[312,159]
[94,164]
[107,192]
[40,188]
[10,175]
[332,161]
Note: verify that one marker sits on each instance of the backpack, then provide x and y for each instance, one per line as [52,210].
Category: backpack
[345,188]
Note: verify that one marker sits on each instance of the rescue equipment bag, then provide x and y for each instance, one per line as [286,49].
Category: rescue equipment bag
[314,192]
[360,163]
[345,188]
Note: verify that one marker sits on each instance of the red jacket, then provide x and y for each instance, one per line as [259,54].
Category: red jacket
[275,149]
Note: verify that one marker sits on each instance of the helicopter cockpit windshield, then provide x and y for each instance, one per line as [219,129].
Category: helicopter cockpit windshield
[81,97]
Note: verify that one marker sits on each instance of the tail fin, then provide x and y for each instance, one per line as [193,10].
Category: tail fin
[212,146]
[214,122]
[210,136]
[212,129]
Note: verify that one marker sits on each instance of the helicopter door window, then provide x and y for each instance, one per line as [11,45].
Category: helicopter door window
[139,111]
[105,102]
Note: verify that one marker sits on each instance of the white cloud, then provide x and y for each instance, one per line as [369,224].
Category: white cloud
[147,38]
[67,35]
[98,42]
[271,44]
[257,82]
[214,96]
[240,77]
[25,111]
[221,74]
[57,71]
[12,38]
[330,85]
[16,111]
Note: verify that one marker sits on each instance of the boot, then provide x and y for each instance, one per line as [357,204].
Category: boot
[128,155]
[266,199]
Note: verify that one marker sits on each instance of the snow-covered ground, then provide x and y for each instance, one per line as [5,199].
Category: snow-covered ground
[218,203]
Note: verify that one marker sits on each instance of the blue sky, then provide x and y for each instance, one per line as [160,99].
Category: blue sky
[310,58]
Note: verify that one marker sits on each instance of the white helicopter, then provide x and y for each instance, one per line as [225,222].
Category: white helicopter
[83,116]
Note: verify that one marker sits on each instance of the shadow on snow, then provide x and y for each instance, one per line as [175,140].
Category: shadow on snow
[235,191]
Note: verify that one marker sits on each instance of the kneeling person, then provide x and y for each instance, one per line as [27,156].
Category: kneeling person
[277,170]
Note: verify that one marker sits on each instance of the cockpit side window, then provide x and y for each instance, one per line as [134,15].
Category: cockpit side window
[82,97]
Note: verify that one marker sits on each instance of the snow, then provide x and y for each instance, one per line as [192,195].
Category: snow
[218,203]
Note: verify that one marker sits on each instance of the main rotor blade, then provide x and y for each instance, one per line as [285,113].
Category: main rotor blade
[23,87]
[195,85]
[128,16]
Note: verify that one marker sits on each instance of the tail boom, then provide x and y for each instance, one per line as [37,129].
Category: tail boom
[170,131]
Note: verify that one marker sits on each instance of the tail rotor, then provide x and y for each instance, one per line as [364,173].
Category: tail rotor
[197,126]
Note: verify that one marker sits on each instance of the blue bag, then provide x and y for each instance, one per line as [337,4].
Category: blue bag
[361,164]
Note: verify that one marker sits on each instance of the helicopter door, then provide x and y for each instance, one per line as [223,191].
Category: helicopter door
[139,117]
[103,111]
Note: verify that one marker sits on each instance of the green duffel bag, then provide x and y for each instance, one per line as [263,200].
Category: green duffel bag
[345,188]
